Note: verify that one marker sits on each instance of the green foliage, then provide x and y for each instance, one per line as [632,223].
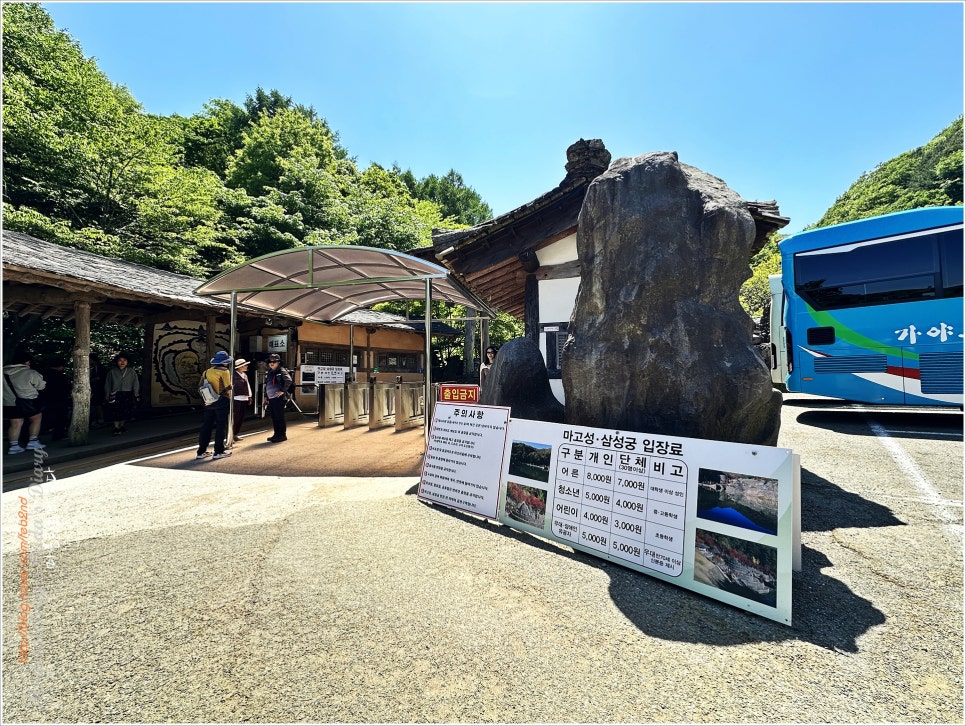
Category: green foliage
[459,204]
[53,338]
[931,175]
[285,134]
[80,152]
[755,295]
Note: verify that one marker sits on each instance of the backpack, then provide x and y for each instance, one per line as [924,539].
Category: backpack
[290,388]
[207,392]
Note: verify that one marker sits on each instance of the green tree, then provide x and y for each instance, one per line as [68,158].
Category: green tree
[459,204]
[755,295]
[930,175]
[212,137]
[84,163]
[286,134]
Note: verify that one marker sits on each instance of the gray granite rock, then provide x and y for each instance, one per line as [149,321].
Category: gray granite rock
[518,379]
[658,340]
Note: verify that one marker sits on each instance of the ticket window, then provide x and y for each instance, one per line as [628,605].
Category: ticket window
[398,361]
[317,356]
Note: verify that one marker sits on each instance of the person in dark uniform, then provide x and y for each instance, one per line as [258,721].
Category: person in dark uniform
[277,383]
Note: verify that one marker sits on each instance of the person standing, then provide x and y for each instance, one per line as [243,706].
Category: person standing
[56,399]
[241,398]
[490,356]
[216,414]
[21,382]
[97,374]
[122,388]
[277,383]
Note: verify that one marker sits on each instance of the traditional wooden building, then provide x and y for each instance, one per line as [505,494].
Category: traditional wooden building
[525,261]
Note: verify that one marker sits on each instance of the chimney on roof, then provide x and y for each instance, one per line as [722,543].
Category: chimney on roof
[588,159]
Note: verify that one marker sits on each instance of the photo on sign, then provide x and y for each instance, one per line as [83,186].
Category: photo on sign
[746,569]
[526,504]
[741,500]
[530,460]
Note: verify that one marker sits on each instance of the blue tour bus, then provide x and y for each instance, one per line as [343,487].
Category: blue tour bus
[872,311]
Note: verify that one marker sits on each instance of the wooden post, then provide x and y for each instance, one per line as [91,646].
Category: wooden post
[211,330]
[469,346]
[81,390]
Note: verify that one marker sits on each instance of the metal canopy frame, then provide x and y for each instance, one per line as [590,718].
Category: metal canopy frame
[324,283]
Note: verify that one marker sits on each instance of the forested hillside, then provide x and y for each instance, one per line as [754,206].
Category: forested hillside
[85,166]
[928,176]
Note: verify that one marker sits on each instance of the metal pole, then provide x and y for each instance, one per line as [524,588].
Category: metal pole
[231,367]
[427,367]
[352,372]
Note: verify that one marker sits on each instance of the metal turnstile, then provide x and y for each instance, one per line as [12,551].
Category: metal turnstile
[331,404]
[356,405]
[410,405]
[382,405]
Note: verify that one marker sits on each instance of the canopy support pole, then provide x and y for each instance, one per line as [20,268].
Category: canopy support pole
[352,370]
[229,436]
[427,363]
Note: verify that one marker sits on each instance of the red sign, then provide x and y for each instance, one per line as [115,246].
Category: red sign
[452,393]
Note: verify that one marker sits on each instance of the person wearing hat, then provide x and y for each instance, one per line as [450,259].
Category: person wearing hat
[216,414]
[241,398]
[276,386]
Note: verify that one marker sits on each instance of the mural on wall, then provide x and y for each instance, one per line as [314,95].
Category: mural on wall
[180,355]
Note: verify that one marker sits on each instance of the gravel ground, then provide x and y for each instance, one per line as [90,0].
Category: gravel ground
[201,596]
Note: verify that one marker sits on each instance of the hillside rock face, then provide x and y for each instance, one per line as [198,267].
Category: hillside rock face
[518,379]
[658,340]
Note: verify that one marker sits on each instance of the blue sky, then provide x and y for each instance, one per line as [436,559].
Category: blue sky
[784,101]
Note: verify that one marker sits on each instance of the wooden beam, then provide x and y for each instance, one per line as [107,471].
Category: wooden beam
[559,272]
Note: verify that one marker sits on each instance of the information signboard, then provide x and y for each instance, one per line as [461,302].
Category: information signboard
[464,457]
[714,517]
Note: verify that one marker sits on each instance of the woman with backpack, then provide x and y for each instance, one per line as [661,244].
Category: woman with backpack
[216,414]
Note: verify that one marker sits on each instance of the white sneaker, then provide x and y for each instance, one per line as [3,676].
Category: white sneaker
[15,449]
[34,445]
[222,455]
[203,456]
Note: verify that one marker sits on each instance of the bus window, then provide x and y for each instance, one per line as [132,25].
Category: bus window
[868,273]
[951,253]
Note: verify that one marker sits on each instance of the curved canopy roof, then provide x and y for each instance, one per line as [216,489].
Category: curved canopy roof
[324,283]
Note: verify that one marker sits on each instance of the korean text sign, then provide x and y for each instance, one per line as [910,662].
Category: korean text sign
[713,517]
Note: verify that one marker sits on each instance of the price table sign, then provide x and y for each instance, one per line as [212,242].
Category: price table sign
[629,505]
[715,517]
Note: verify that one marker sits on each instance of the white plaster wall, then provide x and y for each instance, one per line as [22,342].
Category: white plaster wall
[561,251]
[557,299]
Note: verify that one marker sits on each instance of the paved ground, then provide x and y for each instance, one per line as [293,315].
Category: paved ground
[176,591]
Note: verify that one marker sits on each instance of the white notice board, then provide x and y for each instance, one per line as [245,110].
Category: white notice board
[714,517]
[464,457]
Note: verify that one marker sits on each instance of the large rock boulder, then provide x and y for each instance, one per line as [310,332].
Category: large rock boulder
[658,340]
[518,379]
